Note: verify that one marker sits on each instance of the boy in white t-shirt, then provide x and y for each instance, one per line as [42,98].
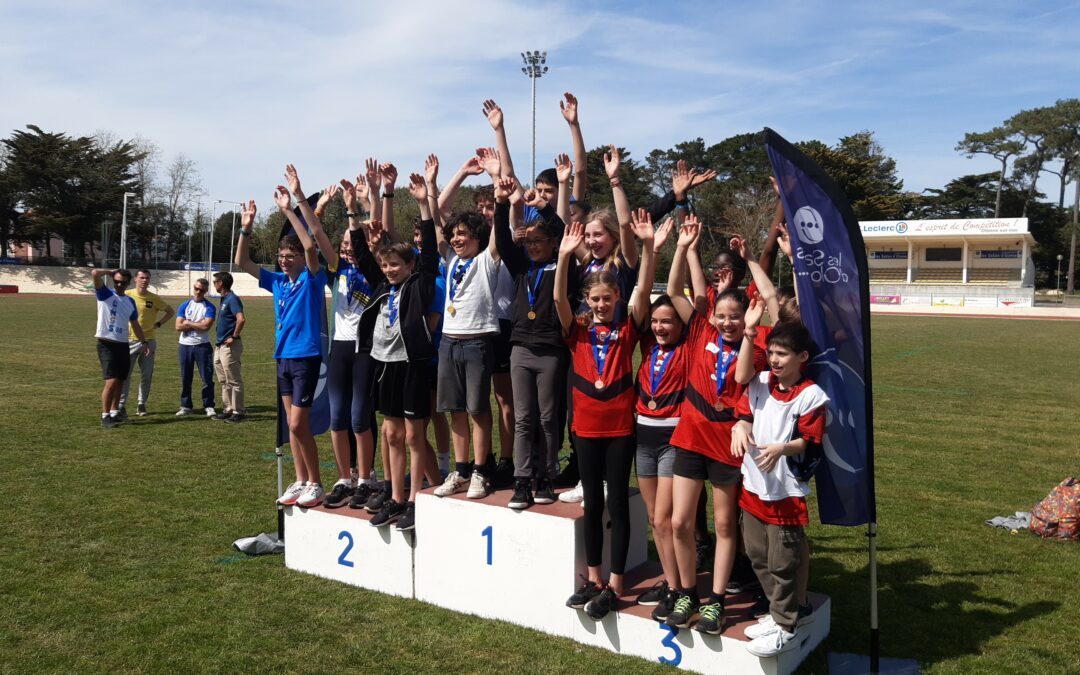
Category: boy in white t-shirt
[781,428]
[115,311]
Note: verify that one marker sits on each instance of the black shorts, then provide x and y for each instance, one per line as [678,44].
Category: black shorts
[403,389]
[697,466]
[299,378]
[115,359]
[502,348]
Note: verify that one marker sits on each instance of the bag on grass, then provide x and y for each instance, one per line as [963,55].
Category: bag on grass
[1058,516]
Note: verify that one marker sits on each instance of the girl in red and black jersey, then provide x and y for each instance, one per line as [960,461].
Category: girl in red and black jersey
[661,386]
[602,387]
[702,437]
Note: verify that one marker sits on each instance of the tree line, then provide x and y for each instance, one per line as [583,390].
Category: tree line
[53,184]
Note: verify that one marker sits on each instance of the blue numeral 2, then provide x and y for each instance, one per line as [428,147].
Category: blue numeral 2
[669,642]
[488,533]
[344,534]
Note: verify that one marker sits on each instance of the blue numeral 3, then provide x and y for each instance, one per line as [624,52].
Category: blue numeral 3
[669,642]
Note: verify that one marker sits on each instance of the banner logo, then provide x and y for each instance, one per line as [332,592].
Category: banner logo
[809,226]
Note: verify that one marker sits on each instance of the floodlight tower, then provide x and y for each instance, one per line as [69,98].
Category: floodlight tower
[534,68]
[123,231]
[232,238]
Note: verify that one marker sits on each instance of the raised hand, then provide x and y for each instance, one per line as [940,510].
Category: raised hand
[417,188]
[375,235]
[363,191]
[688,233]
[247,216]
[389,176]
[504,187]
[704,177]
[641,224]
[662,234]
[372,174]
[348,193]
[569,108]
[612,162]
[327,194]
[533,199]
[784,241]
[294,181]
[573,236]
[738,247]
[754,312]
[431,169]
[472,167]
[681,178]
[494,114]
[282,198]
[489,159]
[563,167]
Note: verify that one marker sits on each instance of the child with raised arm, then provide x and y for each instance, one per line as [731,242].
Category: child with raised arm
[781,420]
[602,385]
[539,356]
[702,438]
[402,349]
[467,351]
[298,309]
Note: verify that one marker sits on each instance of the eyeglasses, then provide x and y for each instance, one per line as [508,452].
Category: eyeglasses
[200,290]
[537,242]
[121,282]
[287,258]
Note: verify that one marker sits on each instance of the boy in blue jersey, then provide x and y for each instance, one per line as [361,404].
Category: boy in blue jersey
[298,309]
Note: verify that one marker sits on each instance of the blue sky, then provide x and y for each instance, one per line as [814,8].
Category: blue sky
[242,88]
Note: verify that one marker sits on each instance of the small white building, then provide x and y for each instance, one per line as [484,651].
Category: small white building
[980,262]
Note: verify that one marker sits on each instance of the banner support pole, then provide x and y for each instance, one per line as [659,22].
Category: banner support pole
[875,635]
[280,489]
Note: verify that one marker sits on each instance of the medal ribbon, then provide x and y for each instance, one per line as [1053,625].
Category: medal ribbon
[459,275]
[723,363]
[600,350]
[531,289]
[656,373]
[393,305]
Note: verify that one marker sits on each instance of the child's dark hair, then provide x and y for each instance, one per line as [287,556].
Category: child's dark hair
[124,272]
[399,249]
[474,223]
[291,242]
[791,335]
[738,265]
[548,228]
[736,294]
[789,312]
[584,206]
[484,193]
[225,278]
[548,176]
[662,301]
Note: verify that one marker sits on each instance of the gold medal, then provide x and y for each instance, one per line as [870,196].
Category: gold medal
[451,310]
[599,384]
[652,404]
[532,315]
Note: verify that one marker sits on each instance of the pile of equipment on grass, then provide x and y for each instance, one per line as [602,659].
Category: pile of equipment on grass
[1058,516]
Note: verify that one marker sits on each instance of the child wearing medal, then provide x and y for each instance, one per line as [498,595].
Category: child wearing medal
[702,438]
[601,376]
[401,346]
[539,357]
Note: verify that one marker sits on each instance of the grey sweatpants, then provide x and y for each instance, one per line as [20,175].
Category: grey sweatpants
[538,376]
[146,371]
[777,552]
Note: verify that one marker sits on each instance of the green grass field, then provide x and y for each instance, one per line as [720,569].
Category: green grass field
[117,555]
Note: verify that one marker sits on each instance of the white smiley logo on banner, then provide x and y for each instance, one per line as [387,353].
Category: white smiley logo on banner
[809,226]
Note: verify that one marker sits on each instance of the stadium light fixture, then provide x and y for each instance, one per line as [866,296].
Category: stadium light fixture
[535,67]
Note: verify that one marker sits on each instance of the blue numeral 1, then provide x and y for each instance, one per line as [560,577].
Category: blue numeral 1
[487,533]
[344,534]
[669,642]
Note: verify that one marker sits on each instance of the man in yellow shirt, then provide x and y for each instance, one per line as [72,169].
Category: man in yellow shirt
[149,305]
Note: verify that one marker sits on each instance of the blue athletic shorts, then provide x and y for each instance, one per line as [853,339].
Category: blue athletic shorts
[299,378]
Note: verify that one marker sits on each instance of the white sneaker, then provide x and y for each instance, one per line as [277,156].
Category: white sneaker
[764,626]
[291,494]
[210,412]
[183,412]
[312,496]
[572,496]
[478,486]
[454,483]
[773,644]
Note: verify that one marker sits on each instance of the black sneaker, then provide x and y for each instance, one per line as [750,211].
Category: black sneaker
[379,497]
[712,618]
[390,512]
[235,418]
[109,422]
[583,595]
[121,415]
[339,496]
[222,416]
[360,496]
[806,614]
[407,521]
[544,493]
[705,553]
[598,607]
[522,498]
[654,595]
[569,476]
[666,606]
[503,475]
[142,410]
[685,610]
[742,579]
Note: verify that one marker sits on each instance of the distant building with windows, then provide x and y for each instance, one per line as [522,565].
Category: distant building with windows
[978,262]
